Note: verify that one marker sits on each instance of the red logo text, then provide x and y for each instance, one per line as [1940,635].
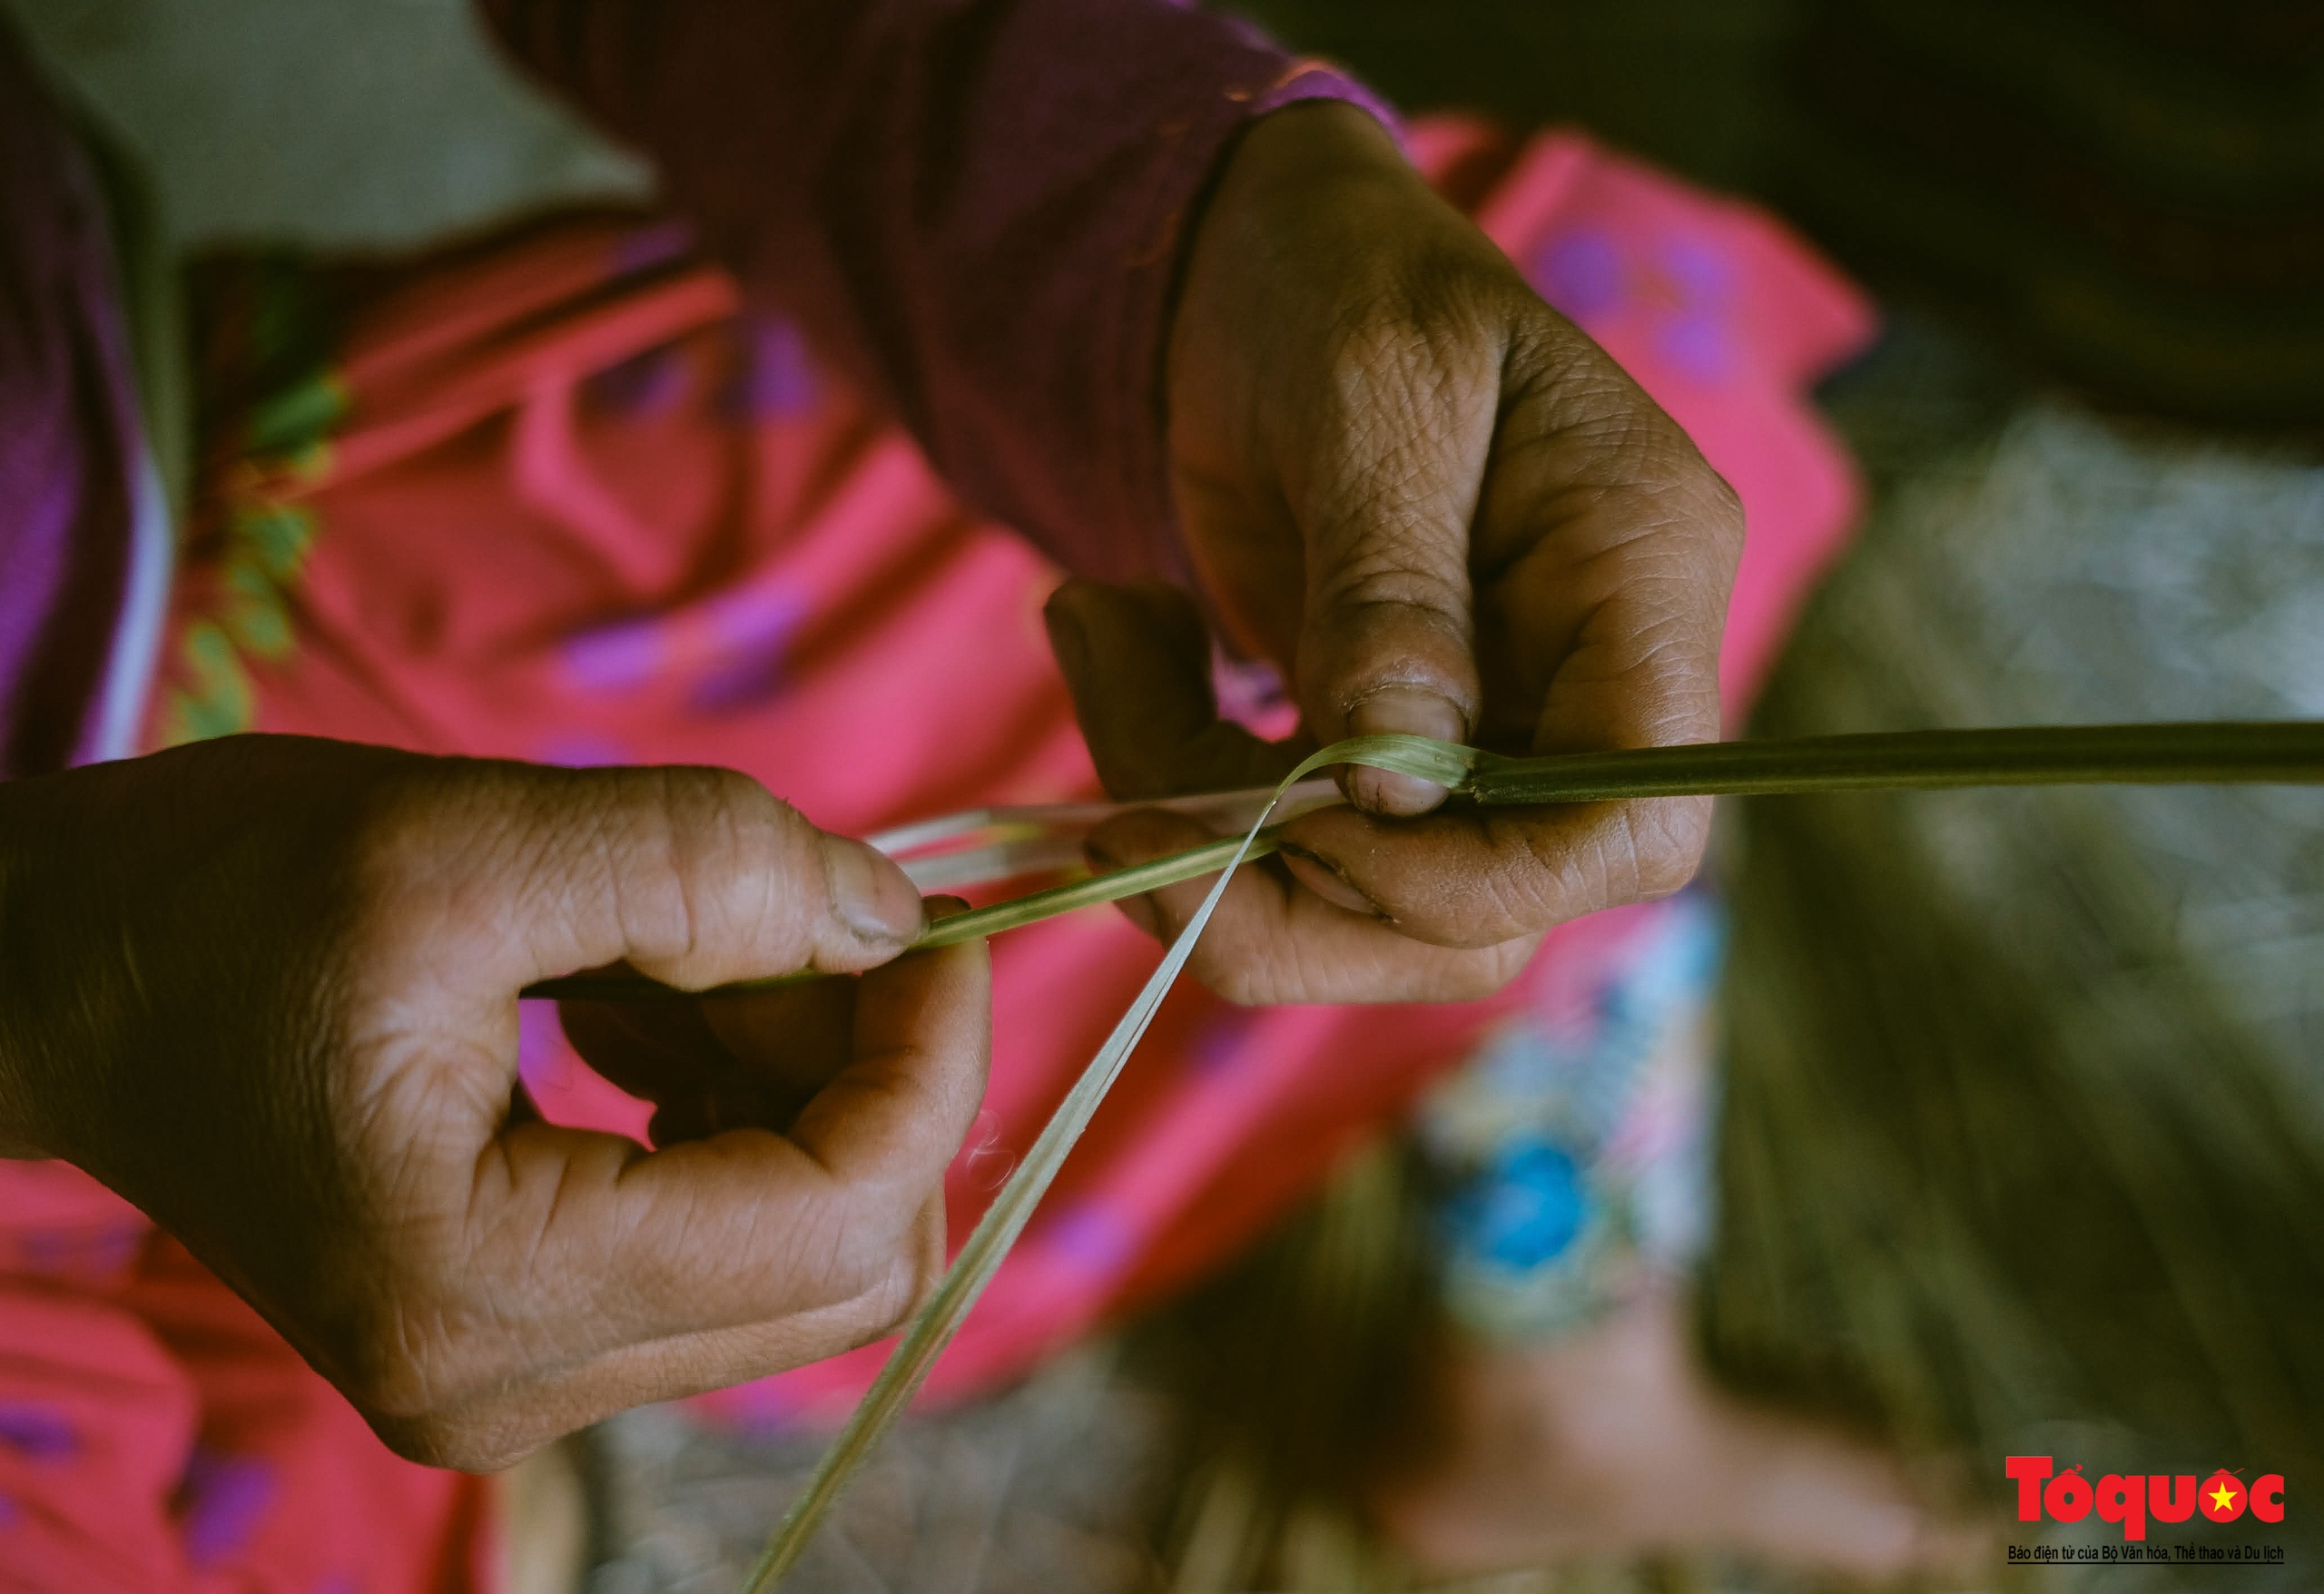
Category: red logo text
[2068,1496]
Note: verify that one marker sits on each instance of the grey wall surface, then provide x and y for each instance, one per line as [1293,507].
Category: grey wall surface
[382,122]
[341,122]
[1689,83]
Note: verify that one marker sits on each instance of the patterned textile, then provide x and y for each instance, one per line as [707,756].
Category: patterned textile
[158,1437]
[1573,1147]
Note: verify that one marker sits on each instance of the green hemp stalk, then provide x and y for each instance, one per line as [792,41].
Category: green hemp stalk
[2081,754]
[2261,751]
[2266,752]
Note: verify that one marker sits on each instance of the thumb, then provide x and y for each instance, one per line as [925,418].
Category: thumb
[694,877]
[579,1273]
[1386,642]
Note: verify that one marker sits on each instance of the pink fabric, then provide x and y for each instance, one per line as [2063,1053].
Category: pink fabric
[1724,315]
[157,1437]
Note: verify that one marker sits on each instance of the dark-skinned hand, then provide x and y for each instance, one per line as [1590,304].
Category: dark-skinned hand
[266,988]
[1440,509]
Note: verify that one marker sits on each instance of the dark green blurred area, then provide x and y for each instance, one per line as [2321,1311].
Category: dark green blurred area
[1688,82]
[2128,193]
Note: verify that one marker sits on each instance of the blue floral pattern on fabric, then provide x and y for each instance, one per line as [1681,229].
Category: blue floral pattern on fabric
[1571,1149]
[1525,1207]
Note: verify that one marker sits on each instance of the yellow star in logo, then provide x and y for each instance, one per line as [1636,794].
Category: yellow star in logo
[2223,1496]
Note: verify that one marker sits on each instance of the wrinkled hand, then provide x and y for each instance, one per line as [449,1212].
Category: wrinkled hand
[1442,510]
[266,988]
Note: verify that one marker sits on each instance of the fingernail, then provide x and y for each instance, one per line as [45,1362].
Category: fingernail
[1326,879]
[868,894]
[1413,711]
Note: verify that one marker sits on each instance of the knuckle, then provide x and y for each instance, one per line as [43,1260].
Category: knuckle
[1666,843]
[1719,519]
[429,1441]
[1631,445]
[1635,852]
[419,810]
[465,849]
[391,1378]
[865,1244]
[1409,362]
[1475,919]
[1247,970]
[728,797]
[415,1356]
[1377,579]
[888,1301]
[1237,983]
[402,832]
[1556,874]
[715,822]
[1726,510]
[732,862]
[457,1440]
[1485,971]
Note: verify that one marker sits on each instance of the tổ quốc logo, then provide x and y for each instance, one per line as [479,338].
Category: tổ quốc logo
[2133,1501]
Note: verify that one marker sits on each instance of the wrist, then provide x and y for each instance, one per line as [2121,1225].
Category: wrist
[1312,141]
[1293,181]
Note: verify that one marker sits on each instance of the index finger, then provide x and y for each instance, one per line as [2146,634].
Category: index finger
[748,1225]
[1478,877]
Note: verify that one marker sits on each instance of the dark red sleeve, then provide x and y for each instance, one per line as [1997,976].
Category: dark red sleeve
[975,207]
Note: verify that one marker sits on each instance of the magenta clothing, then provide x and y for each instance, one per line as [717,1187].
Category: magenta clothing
[72,486]
[976,208]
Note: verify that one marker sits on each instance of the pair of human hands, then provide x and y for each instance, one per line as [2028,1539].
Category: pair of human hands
[266,988]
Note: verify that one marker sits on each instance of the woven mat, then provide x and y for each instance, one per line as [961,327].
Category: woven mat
[2023,1143]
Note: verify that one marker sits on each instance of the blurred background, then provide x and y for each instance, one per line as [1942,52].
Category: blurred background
[2020,1124]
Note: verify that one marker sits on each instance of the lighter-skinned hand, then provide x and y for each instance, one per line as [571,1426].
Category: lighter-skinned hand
[1440,509]
[266,988]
